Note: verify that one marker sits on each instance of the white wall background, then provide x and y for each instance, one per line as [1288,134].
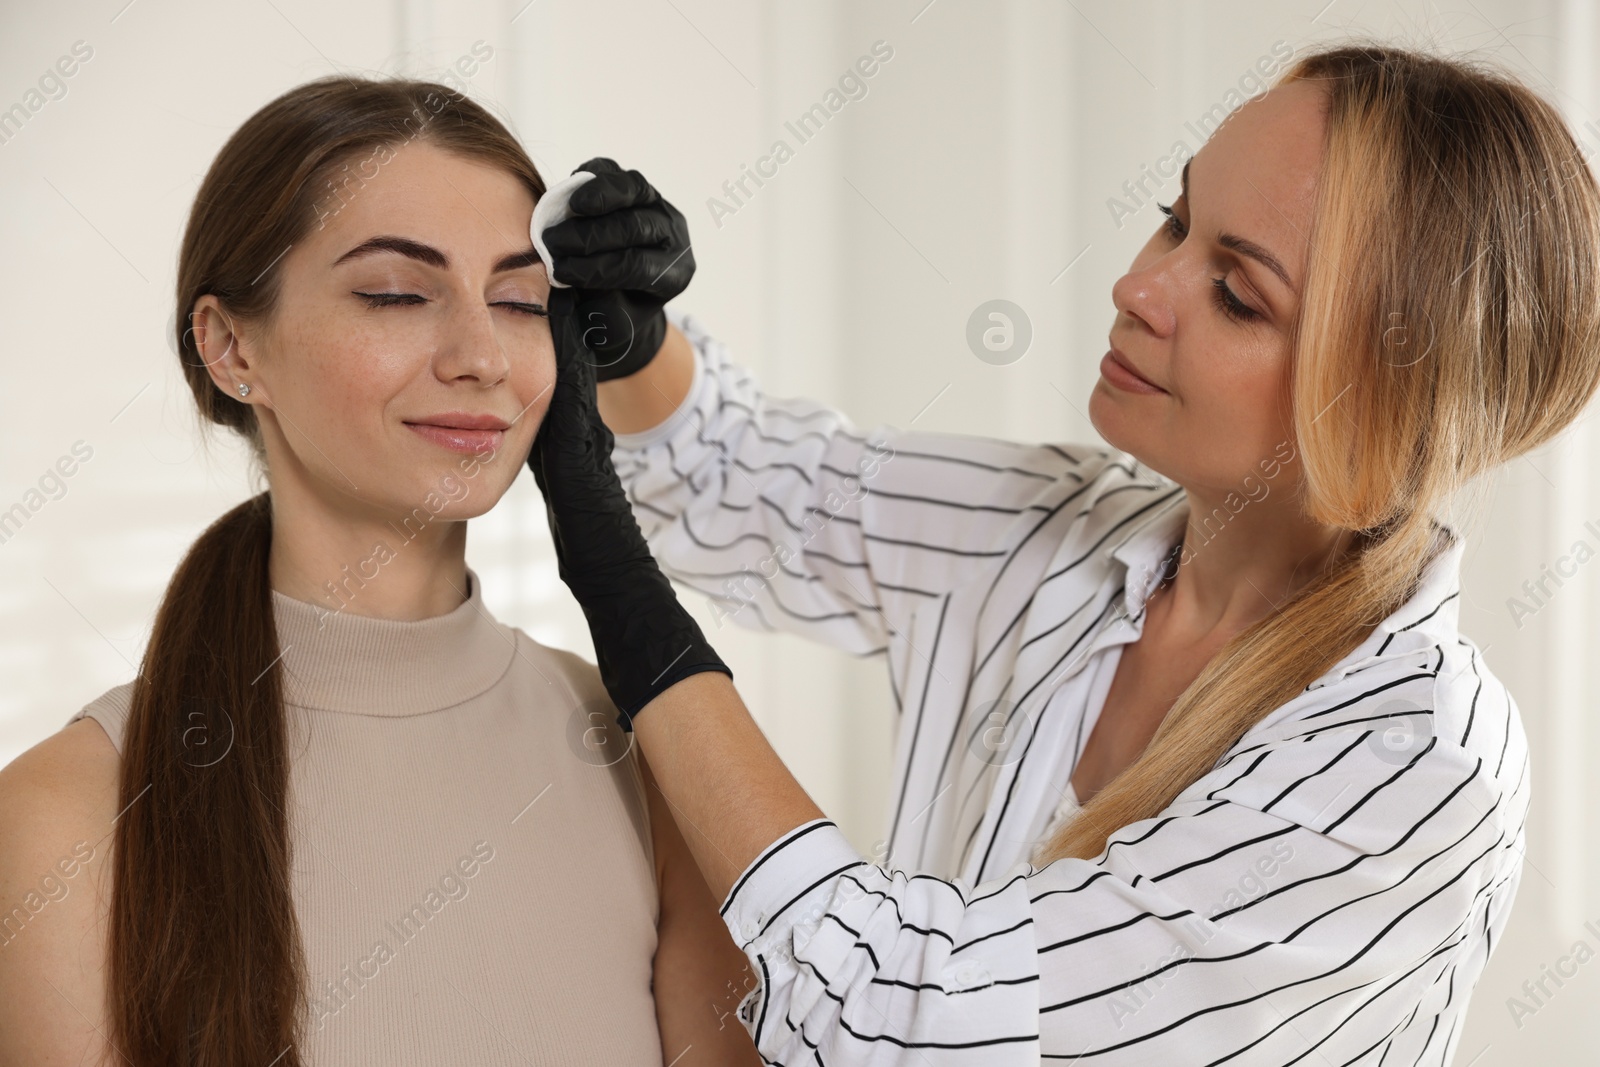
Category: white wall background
[979,165]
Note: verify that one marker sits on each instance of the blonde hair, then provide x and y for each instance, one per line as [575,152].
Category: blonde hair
[1455,213]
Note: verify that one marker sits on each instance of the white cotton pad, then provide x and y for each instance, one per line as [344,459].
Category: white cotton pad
[551,209]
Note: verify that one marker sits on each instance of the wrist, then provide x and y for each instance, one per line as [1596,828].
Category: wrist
[649,397]
[645,640]
[645,336]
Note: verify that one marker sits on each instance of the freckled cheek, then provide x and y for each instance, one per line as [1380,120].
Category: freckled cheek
[352,382]
[1245,401]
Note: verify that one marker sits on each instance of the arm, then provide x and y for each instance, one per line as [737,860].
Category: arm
[1270,904]
[700,974]
[789,519]
[650,395]
[57,802]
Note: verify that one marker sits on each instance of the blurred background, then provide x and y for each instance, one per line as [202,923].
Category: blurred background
[997,153]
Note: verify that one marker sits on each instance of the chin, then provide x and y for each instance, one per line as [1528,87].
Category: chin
[1110,422]
[1105,418]
[447,494]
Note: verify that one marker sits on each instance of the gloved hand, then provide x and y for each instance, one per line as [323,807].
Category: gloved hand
[626,251]
[644,640]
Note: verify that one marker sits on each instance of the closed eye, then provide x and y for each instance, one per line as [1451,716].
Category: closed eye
[381,300]
[526,309]
[1229,304]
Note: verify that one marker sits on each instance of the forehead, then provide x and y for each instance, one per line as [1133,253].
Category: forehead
[1257,175]
[424,192]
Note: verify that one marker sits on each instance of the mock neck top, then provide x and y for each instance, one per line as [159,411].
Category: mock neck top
[334,660]
[473,880]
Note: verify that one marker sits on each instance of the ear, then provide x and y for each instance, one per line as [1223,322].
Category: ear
[227,352]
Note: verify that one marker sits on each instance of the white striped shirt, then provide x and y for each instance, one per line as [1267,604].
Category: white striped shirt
[1328,893]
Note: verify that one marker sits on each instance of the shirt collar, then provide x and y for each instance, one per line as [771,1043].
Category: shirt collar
[1143,551]
[1434,607]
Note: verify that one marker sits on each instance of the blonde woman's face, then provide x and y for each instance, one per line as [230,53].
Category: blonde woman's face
[1220,406]
[411,303]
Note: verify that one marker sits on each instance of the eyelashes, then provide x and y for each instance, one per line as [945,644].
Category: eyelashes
[1229,304]
[383,300]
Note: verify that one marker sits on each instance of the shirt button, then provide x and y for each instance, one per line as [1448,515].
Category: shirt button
[750,929]
[970,974]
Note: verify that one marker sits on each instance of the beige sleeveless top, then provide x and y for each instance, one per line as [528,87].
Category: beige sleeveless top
[472,871]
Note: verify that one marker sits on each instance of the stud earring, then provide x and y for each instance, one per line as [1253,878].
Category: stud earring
[244,389]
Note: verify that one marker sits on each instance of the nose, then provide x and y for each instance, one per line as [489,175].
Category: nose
[471,347]
[1145,293]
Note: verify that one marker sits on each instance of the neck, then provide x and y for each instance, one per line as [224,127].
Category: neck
[1237,571]
[349,559]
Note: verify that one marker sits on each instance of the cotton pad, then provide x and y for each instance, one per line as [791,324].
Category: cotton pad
[551,209]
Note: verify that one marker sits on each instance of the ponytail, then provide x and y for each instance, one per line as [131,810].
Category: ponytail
[205,959]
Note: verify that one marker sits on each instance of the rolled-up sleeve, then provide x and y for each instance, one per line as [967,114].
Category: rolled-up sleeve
[872,964]
[1294,904]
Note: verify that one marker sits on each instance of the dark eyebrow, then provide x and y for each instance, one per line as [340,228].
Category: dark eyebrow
[432,256]
[1244,246]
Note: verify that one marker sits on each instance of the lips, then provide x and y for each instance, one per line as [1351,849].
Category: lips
[459,431]
[461,420]
[1120,371]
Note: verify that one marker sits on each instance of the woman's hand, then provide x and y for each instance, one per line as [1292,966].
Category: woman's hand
[644,640]
[626,251]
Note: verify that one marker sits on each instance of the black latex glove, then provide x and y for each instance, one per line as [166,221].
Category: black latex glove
[626,251]
[644,640]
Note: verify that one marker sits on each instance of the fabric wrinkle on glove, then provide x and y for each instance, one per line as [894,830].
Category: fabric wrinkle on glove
[644,639]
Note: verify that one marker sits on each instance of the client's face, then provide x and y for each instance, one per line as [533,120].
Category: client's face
[413,308]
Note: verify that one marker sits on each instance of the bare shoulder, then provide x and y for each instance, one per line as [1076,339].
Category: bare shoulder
[57,805]
[67,781]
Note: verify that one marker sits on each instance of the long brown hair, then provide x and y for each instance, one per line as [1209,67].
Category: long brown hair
[206,966]
[1454,205]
